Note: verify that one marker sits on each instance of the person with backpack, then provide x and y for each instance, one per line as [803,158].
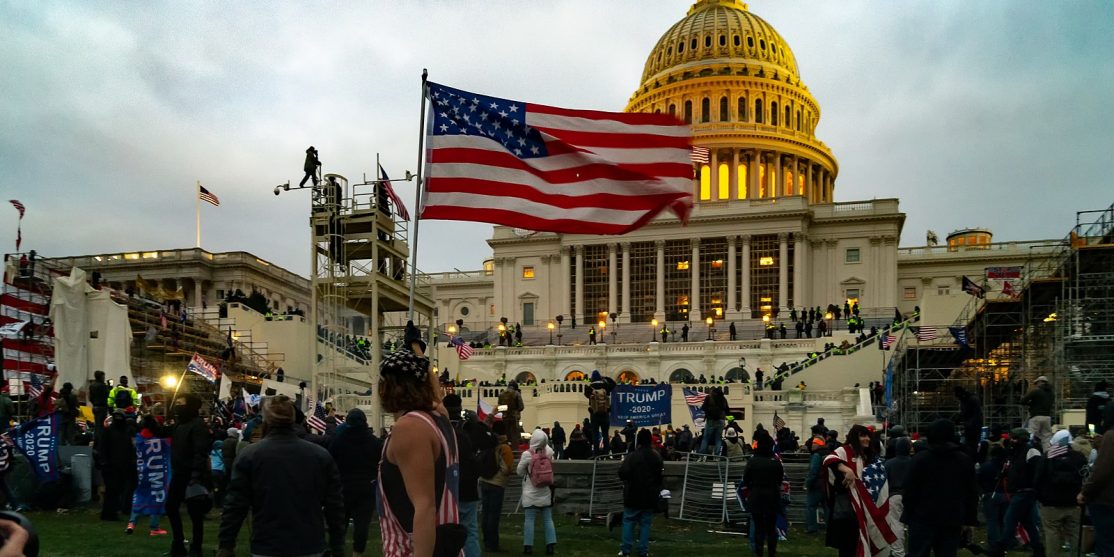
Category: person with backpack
[629,433]
[122,397]
[598,394]
[511,398]
[536,469]
[641,473]
[1059,481]
[715,413]
[495,467]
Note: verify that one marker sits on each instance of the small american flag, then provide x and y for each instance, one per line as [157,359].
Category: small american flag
[778,422]
[207,196]
[462,349]
[925,334]
[385,183]
[888,341]
[700,155]
[694,398]
[35,388]
[316,420]
[18,207]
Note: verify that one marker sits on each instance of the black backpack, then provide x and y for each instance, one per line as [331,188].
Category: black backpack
[488,462]
[1061,478]
[123,398]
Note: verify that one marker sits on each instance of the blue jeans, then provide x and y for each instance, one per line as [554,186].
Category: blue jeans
[547,522]
[492,498]
[154,519]
[1103,517]
[712,429]
[643,517]
[813,499]
[994,512]
[1021,510]
[469,517]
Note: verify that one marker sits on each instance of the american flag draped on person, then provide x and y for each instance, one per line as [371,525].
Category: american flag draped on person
[857,480]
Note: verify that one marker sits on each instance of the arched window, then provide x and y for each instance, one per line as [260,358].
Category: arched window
[738,375]
[680,47]
[724,186]
[705,182]
[708,41]
[672,109]
[762,44]
[742,109]
[526,378]
[758,113]
[737,40]
[798,120]
[692,44]
[575,376]
[788,121]
[628,377]
[790,175]
[750,42]
[773,113]
[657,111]
[705,110]
[723,40]
[682,376]
[688,112]
[723,112]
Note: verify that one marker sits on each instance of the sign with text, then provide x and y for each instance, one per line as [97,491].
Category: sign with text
[646,405]
[152,456]
[1003,273]
[38,441]
[203,368]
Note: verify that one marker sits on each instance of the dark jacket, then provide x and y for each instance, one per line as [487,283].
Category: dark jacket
[714,406]
[357,453]
[558,436]
[941,488]
[1024,467]
[641,473]
[189,450]
[1039,401]
[1061,479]
[118,448]
[98,394]
[763,476]
[292,488]
[469,462]
[897,468]
[1095,405]
[970,415]
[1099,487]
[311,161]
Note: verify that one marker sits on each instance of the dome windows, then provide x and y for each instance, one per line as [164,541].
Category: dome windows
[707,41]
[788,120]
[798,120]
[723,40]
[762,44]
[723,110]
[688,112]
[705,110]
[773,113]
[672,110]
[758,114]
[750,42]
[680,47]
[692,44]
[742,109]
[737,41]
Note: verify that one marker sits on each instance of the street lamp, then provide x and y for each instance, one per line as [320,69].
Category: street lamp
[709,322]
[559,319]
[502,333]
[550,327]
[766,325]
[603,325]
[653,329]
[828,316]
[452,333]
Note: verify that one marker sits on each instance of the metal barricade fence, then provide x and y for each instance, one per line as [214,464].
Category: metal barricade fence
[706,491]
[606,493]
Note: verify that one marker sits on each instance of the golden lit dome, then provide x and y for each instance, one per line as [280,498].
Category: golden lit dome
[720,31]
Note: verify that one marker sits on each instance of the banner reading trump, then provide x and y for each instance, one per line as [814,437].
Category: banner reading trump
[645,405]
[38,441]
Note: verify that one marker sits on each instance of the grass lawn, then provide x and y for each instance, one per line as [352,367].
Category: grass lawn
[81,533]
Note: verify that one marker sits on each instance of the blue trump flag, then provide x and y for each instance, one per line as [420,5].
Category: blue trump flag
[38,441]
[152,460]
[645,405]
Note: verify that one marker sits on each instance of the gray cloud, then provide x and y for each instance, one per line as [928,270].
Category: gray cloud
[991,114]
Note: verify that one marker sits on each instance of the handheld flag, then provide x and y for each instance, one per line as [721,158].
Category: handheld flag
[38,441]
[695,400]
[552,169]
[385,183]
[463,351]
[316,420]
[973,289]
[778,422]
[960,335]
[19,227]
[483,409]
[203,368]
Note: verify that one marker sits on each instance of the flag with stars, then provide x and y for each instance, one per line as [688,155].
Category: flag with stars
[874,532]
[877,482]
[463,351]
[552,169]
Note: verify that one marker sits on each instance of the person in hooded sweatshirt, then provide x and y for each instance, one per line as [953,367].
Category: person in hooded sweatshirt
[536,499]
[763,477]
[897,473]
[1022,468]
[357,453]
[1096,403]
[189,465]
[1058,483]
[940,496]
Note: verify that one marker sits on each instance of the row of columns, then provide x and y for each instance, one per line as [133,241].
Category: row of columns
[735,308]
[819,181]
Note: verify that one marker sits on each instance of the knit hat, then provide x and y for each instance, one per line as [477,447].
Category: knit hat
[1019,434]
[402,364]
[732,434]
[278,410]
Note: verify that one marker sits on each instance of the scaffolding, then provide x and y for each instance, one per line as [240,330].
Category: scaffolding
[360,264]
[1057,322]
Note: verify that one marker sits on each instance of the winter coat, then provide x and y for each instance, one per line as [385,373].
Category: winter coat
[189,450]
[1095,404]
[763,476]
[940,488]
[533,496]
[1039,401]
[641,473]
[1099,487]
[734,450]
[505,457]
[356,452]
[558,435]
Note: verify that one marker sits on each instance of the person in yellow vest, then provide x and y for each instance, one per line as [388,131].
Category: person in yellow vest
[591,335]
[122,397]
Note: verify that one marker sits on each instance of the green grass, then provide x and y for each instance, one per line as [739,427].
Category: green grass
[80,533]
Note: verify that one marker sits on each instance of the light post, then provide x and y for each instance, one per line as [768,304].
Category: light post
[709,321]
[614,327]
[502,333]
[452,333]
[653,329]
[828,316]
[603,326]
[559,319]
[550,327]
[766,325]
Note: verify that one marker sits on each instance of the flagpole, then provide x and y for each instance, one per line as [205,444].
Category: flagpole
[197,203]
[417,198]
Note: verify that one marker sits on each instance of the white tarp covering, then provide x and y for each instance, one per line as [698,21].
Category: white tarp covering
[67,313]
[110,351]
[289,389]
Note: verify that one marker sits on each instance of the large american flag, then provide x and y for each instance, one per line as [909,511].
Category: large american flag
[870,506]
[463,351]
[385,183]
[316,419]
[925,334]
[694,398]
[552,169]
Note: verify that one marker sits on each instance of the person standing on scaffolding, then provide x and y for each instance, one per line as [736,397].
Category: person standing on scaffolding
[311,165]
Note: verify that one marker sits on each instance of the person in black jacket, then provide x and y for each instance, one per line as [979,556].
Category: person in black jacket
[763,477]
[641,473]
[97,395]
[1023,467]
[558,438]
[292,488]
[715,414]
[1096,403]
[1040,402]
[117,459]
[357,452]
[310,167]
[897,473]
[970,417]
[189,466]
[1058,483]
[940,495]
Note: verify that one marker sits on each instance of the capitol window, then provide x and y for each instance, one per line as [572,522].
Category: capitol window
[705,110]
[750,42]
[707,41]
[773,113]
[528,272]
[910,293]
[851,255]
[723,110]
[742,109]
[682,265]
[688,112]
[692,45]
[680,47]
[762,44]
[723,40]
[705,182]
[737,40]
[758,113]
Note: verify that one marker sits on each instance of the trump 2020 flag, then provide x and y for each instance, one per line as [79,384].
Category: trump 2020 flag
[203,368]
[552,169]
[38,441]
[152,457]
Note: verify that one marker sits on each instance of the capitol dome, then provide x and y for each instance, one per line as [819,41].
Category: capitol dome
[732,76]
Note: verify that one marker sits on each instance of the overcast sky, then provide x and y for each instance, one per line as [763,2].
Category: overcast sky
[991,113]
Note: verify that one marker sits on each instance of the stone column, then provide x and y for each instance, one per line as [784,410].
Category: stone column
[808,183]
[832,280]
[732,298]
[779,179]
[874,286]
[566,265]
[612,280]
[713,189]
[659,287]
[625,314]
[694,291]
[745,292]
[734,174]
[752,174]
[799,243]
[198,292]
[783,272]
[579,287]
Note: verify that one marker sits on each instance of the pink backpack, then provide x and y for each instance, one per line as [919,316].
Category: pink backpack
[541,468]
